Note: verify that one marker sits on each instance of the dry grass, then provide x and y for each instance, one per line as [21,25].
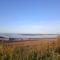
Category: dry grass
[38,48]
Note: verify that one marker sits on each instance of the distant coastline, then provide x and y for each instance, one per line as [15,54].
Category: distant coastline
[18,35]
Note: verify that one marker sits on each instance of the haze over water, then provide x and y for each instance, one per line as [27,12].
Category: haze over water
[14,35]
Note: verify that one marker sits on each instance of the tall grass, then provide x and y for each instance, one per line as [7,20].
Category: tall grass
[49,52]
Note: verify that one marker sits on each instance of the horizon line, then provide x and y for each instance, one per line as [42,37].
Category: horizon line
[33,33]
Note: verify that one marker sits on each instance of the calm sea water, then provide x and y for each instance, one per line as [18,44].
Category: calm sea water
[13,35]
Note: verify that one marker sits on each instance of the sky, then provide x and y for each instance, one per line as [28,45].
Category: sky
[30,16]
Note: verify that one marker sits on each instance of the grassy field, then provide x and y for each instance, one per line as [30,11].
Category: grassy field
[38,49]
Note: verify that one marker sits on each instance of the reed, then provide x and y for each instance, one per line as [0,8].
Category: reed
[41,52]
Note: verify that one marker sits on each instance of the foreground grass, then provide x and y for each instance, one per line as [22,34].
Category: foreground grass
[41,52]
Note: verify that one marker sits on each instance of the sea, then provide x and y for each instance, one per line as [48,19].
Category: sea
[18,35]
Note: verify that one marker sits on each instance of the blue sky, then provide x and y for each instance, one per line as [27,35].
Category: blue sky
[30,16]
